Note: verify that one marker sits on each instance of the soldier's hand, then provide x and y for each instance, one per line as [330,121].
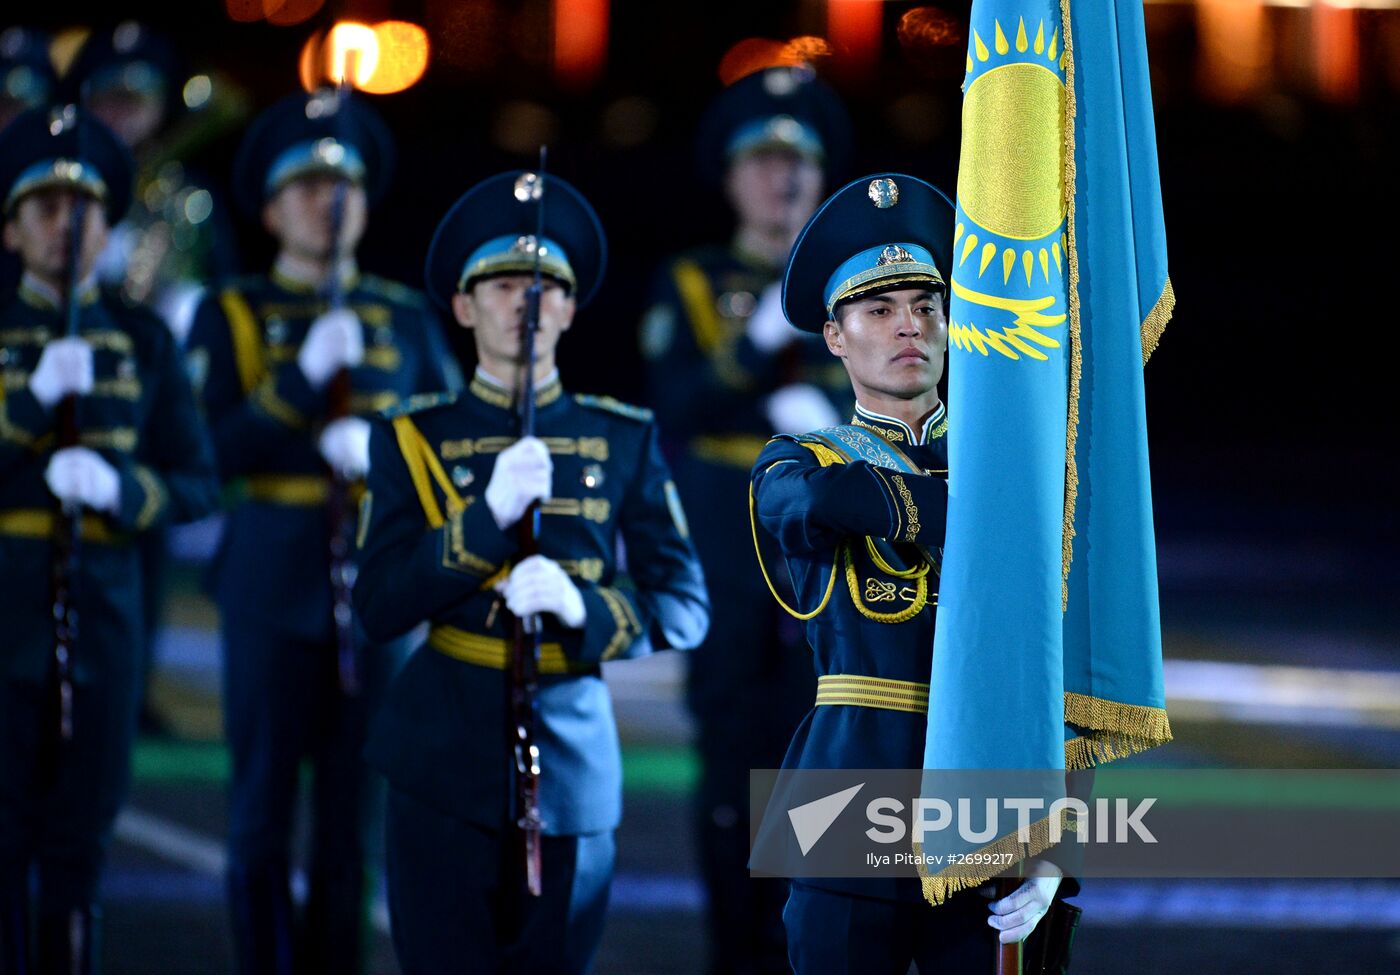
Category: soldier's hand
[335,341]
[539,585]
[82,476]
[344,444]
[1017,914]
[768,328]
[800,408]
[65,367]
[522,474]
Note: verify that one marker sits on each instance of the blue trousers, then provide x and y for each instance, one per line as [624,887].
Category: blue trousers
[283,707]
[841,934]
[458,902]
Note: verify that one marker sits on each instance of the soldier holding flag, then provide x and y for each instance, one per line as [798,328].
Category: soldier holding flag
[450,481]
[859,511]
[1054,263]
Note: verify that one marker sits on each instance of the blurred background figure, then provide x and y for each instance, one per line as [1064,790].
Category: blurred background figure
[26,81]
[725,373]
[26,73]
[177,236]
[288,365]
[99,442]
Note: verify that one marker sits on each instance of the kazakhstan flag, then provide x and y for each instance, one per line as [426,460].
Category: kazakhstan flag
[1048,647]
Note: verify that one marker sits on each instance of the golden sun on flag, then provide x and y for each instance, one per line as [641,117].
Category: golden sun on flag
[1011,196]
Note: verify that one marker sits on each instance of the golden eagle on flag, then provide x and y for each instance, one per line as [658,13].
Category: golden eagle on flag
[1047,654]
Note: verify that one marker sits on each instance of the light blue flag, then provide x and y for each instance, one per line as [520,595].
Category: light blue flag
[1048,647]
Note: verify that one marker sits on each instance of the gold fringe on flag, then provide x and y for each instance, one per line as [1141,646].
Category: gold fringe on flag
[945,883]
[1156,322]
[1114,730]
[1075,353]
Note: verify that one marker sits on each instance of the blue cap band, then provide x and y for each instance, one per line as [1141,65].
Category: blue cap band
[138,76]
[57,172]
[776,131]
[515,254]
[318,155]
[877,267]
[23,84]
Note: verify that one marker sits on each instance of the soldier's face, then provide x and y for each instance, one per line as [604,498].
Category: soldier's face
[134,116]
[39,232]
[774,189]
[891,343]
[494,309]
[299,216]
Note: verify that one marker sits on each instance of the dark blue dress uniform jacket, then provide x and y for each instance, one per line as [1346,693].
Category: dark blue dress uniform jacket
[273,564]
[709,385]
[141,417]
[873,623]
[430,551]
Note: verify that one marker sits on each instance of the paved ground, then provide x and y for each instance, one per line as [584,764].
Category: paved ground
[1321,606]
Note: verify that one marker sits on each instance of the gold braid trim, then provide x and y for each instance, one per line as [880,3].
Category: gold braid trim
[1076,362]
[1156,322]
[953,878]
[625,621]
[899,616]
[699,300]
[155,496]
[246,338]
[835,558]
[1116,730]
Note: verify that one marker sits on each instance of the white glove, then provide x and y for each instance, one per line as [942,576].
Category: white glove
[1017,914]
[80,475]
[538,585]
[335,341]
[522,474]
[768,327]
[345,446]
[65,366]
[800,408]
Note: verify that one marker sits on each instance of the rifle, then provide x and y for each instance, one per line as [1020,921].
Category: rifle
[68,524]
[342,527]
[525,648]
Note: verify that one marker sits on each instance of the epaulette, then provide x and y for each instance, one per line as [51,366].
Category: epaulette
[638,413]
[417,403]
[399,294]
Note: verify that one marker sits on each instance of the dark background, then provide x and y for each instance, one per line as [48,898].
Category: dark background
[1278,202]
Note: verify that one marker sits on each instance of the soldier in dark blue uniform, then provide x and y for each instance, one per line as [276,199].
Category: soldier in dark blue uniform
[265,353]
[859,512]
[140,460]
[26,73]
[176,238]
[725,373]
[449,480]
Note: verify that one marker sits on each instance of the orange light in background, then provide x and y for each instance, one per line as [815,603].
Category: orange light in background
[1336,52]
[388,57]
[806,49]
[580,40]
[351,47]
[287,13]
[403,57]
[854,27]
[311,64]
[1234,51]
[244,11]
[756,53]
